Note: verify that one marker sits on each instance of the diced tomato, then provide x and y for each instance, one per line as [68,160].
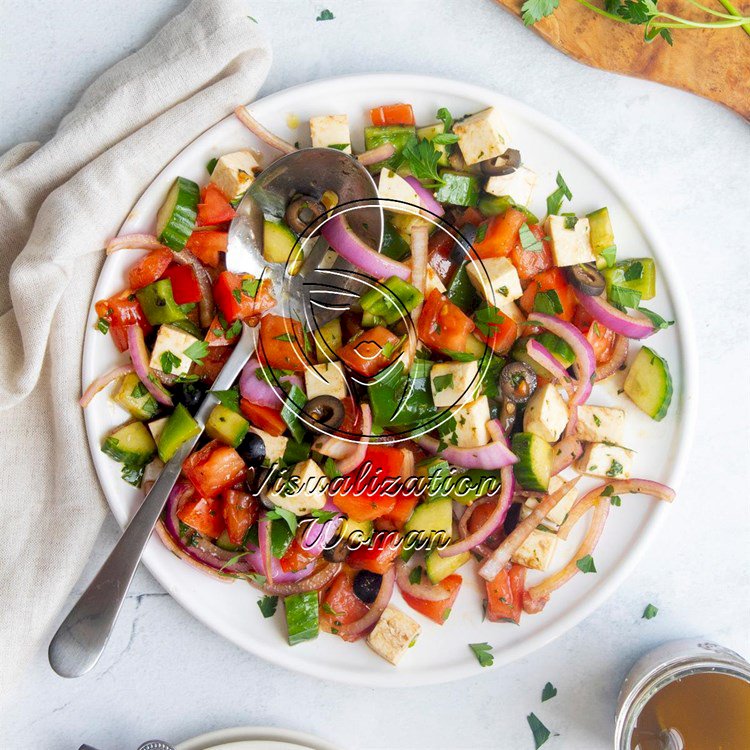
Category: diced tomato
[529,263]
[214,468]
[392,114]
[379,555]
[240,513]
[401,513]
[443,325]
[281,342]
[370,351]
[204,515]
[185,287]
[212,363]
[296,557]
[263,417]
[601,338]
[349,427]
[149,268]
[505,595]
[207,245]
[121,311]
[241,296]
[214,208]
[471,216]
[439,251]
[499,335]
[340,605]
[552,279]
[479,517]
[501,235]
[437,611]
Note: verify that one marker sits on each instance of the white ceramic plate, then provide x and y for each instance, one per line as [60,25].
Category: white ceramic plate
[441,653]
[255,738]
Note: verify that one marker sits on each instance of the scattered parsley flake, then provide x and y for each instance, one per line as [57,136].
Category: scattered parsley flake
[285,515]
[196,351]
[540,732]
[609,254]
[325,15]
[267,605]
[169,361]
[555,199]
[102,325]
[650,612]
[229,398]
[441,382]
[586,564]
[212,162]
[483,652]
[549,691]
[528,240]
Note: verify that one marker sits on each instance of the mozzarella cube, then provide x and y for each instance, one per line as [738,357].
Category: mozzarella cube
[471,424]
[453,382]
[513,311]
[393,634]
[606,460]
[275,446]
[518,185]
[303,490]
[394,191]
[600,424]
[331,130]
[234,173]
[496,279]
[432,281]
[156,428]
[569,245]
[325,380]
[174,341]
[557,515]
[482,136]
[537,550]
[546,414]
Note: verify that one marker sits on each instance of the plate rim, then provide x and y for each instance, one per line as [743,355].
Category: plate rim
[218,737]
[582,152]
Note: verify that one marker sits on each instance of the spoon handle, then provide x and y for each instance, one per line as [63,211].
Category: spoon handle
[83,634]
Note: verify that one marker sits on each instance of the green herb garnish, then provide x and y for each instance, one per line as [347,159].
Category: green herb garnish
[483,652]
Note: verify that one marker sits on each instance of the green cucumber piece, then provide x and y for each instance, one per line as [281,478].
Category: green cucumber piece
[602,236]
[176,218]
[296,452]
[428,133]
[355,532]
[302,617]
[438,568]
[134,397]
[398,135]
[224,543]
[278,243]
[226,425]
[430,522]
[649,384]
[394,245]
[638,274]
[473,484]
[461,292]
[392,303]
[179,427]
[534,461]
[437,475]
[158,303]
[494,205]
[458,188]
[130,444]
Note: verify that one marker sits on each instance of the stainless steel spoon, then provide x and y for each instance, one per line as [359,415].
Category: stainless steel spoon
[83,634]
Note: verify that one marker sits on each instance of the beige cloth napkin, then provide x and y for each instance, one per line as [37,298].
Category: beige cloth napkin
[59,203]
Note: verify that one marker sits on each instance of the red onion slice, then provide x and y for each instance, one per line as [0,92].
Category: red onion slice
[349,246]
[333,447]
[102,382]
[616,361]
[139,356]
[259,391]
[599,309]
[427,592]
[265,135]
[426,197]
[311,582]
[351,462]
[206,306]
[504,500]
[376,155]
[544,358]
[420,239]
[357,628]
[317,535]
[134,242]
[501,556]
[494,455]
[568,450]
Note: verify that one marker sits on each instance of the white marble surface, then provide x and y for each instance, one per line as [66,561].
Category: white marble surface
[166,675]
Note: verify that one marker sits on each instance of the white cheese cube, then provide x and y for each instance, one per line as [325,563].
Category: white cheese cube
[497,282]
[172,341]
[325,380]
[393,634]
[156,428]
[605,460]
[303,490]
[394,191]
[557,515]
[512,311]
[546,414]
[518,185]
[482,136]
[471,424]
[600,424]
[569,245]
[234,173]
[275,445]
[453,382]
[331,130]
[537,550]
[432,281]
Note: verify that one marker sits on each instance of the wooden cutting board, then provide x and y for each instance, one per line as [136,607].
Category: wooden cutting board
[710,63]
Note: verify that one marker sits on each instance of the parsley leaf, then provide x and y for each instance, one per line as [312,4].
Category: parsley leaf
[540,732]
[609,254]
[250,287]
[267,605]
[650,612]
[169,361]
[285,515]
[324,516]
[339,146]
[656,320]
[634,271]
[481,233]
[212,163]
[103,325]
[139,391]
[555,199]
[535,10]
[528,240]
[446,118]
[486,317]
[483,652]
[229,399]
[325,15]
[196,351]
[622,297]
[330,469]
[422,158]
[615,469]
[586,564]
[416,575]
[549,691]
[548,302]
[441,382]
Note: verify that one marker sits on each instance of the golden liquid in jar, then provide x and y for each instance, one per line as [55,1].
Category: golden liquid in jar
[709,710]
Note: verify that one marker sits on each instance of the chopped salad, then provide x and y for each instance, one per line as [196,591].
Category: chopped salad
[435,430]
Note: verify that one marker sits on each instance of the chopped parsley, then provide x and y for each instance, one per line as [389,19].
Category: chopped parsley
[196,351]
[441,382]
[487,317]
[540,732]
[446,118]
[284,515]
[139,391]
[422,158]
[339,146]
[650,612]
[483,652]
[549,691]
[529,240]
[102,325]
[250,287]
[416,575]
[229,398]
[570,221]
[597,421]
[324,516]
[656,320]
[555,199]
[586,564]
[267,605]
[548,302]
[169,361]
[622,297]
[481,233]
[615,469]
[609,254]
[634,271]
[325,15]
[211,165]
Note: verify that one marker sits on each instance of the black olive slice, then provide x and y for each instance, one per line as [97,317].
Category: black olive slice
[326,412]
[517,382]
[586,278]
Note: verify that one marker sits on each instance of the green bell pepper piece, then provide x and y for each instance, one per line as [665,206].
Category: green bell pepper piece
[398,135]
[461,291]
[394,245]
[638,274]
[390,308]
[494,205]
[158,303]
[386,395]
[290,412]
[179,427]
[458,188]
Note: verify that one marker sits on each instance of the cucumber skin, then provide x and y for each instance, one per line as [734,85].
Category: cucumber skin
[180,223]
[112,445]
[666,398]
[525,445]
